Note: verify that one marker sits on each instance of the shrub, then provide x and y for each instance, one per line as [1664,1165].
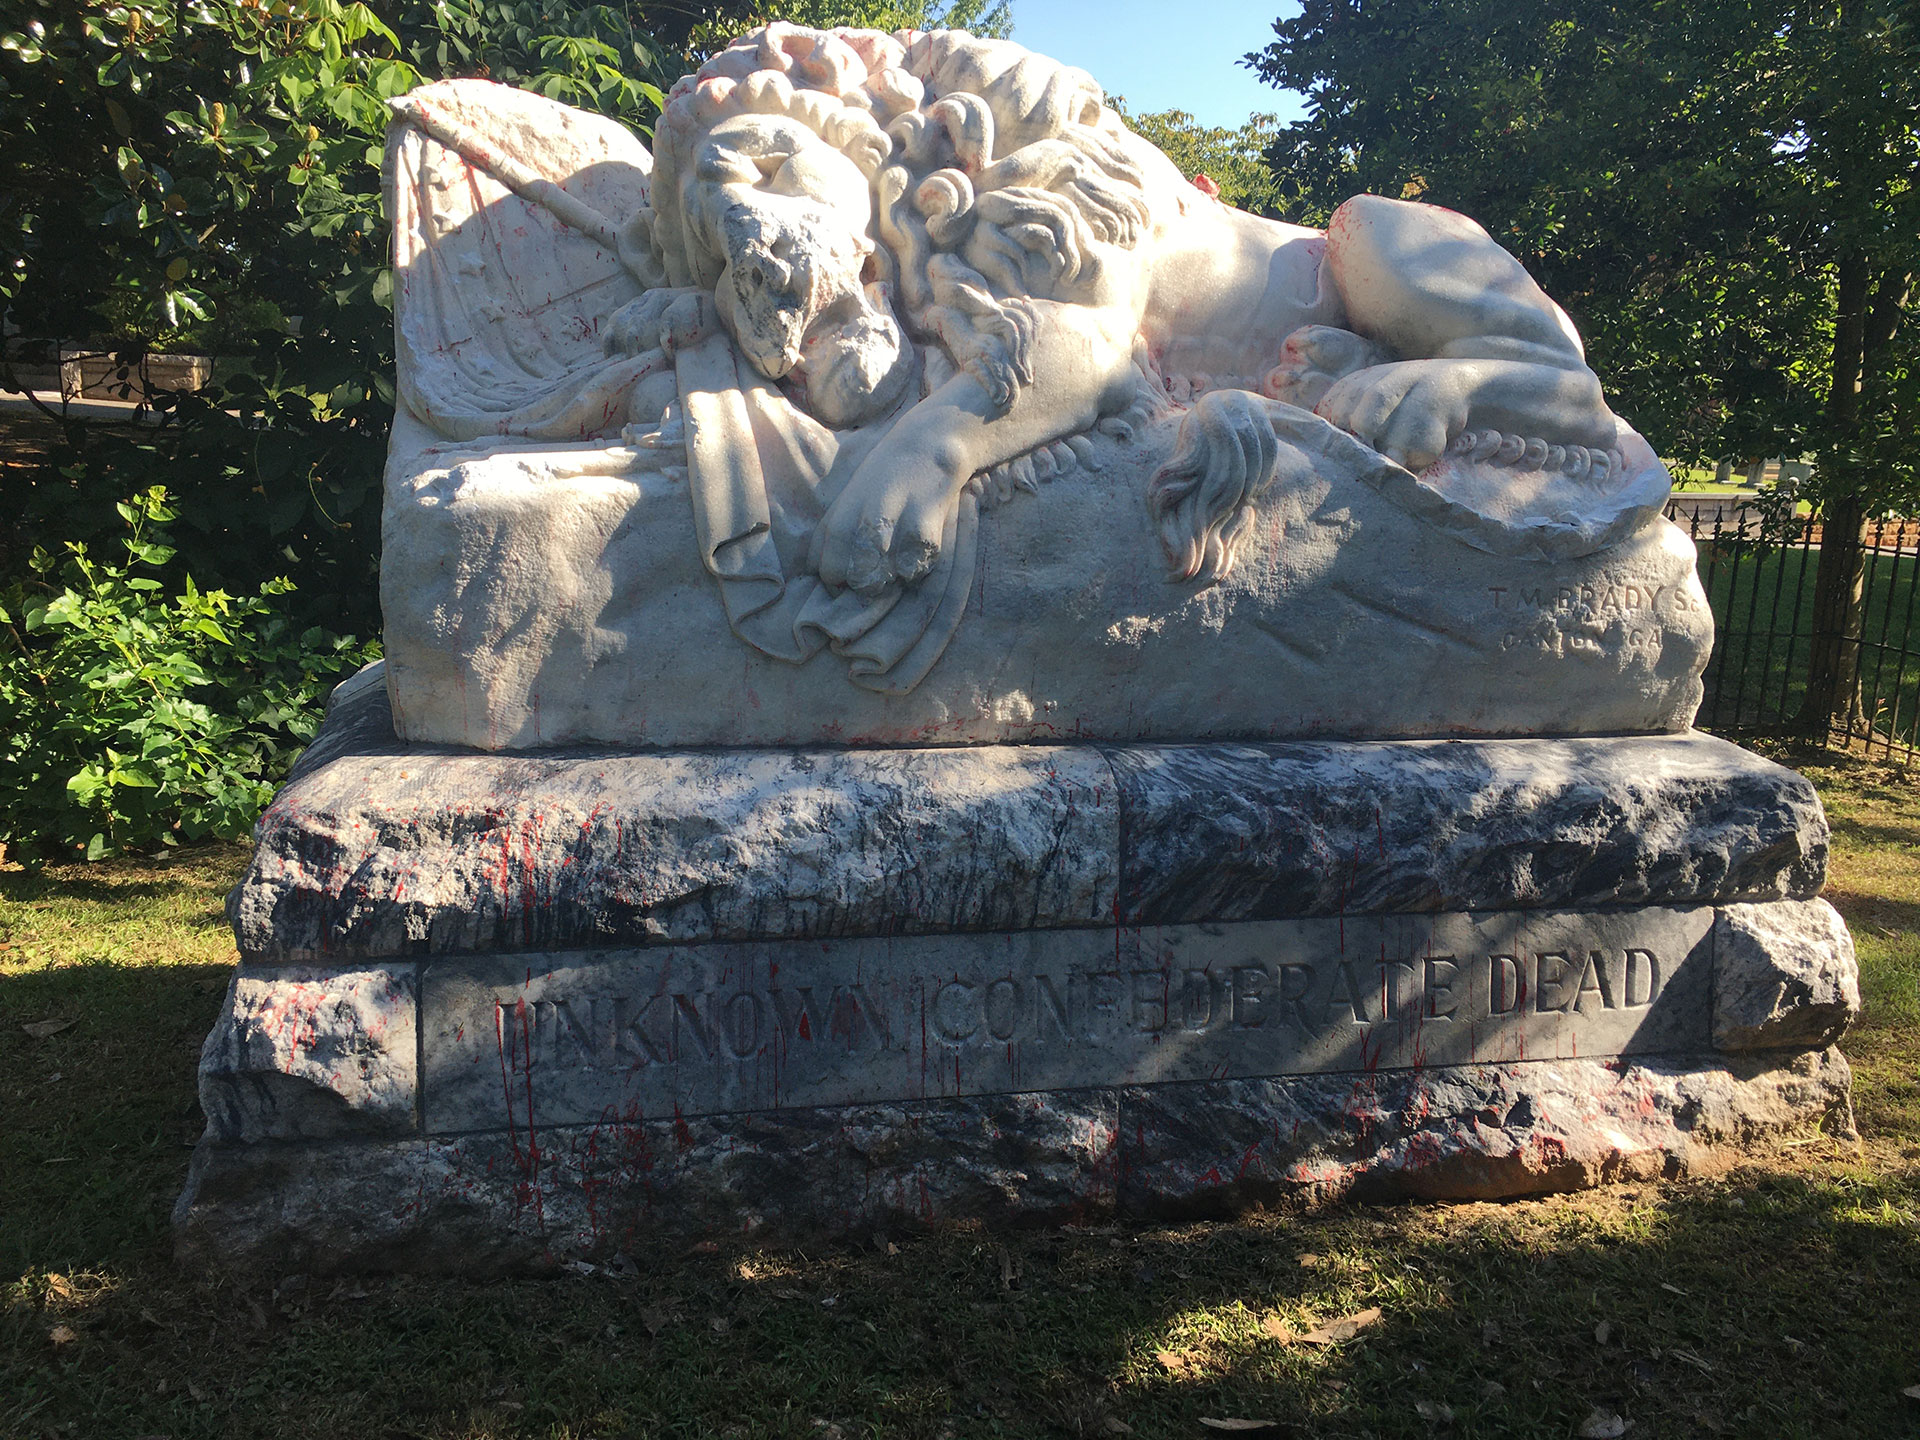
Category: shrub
[131,717]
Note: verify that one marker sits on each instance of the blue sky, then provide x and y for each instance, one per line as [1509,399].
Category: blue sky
[1164,56]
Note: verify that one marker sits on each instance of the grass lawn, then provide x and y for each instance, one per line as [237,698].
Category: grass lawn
[1781,1300]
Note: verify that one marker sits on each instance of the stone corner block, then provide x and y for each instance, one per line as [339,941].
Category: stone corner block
[305,1052]
[1784,978]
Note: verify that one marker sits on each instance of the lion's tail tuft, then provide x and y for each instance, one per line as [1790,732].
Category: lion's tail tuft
[1201,501]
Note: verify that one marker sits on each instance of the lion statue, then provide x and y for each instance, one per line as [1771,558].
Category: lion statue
[812,182]
[865,285]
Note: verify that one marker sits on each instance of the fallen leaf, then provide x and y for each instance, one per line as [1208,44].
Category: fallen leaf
[59,1286]
[658,1317]
[1177,1364]
[1603,1425]
[41,1029]
[721,1325]
[61,1335]
[707,1247]
[1492,1390]
[1312,1262]
[1912,1392]
[1602,1333]
[1433,1412]
[1673,1289]
[1113,1425]
[1277,1329]
[1345,1328]
[1235,1425]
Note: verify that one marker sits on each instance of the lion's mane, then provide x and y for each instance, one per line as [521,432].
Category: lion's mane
[997,175]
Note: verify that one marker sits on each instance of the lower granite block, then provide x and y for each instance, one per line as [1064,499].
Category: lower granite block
[1461,1133]
[517,1200]
[511,1202]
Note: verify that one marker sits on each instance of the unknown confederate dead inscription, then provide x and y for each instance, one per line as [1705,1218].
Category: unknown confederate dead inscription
[702,1029]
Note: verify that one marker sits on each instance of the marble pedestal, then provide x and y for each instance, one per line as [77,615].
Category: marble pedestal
[499,1011]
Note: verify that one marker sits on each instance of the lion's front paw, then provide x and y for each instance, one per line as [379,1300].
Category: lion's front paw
[887,526]
[666,320]
[1407,410]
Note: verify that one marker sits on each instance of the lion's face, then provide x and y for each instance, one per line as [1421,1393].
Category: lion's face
[790,217]
[785,267]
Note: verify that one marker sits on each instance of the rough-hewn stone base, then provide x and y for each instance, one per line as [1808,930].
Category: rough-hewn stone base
[494,1202]
[497,1011]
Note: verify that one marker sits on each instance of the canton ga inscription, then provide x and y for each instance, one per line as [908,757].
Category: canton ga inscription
[641,1034]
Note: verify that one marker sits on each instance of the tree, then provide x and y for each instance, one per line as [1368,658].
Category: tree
[1724,193]
[1235,160]
[204,175]
[992,18]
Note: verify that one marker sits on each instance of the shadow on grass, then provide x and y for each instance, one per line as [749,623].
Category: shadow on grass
[1776,1304]
[1892,918]
[26,886]
[98,1115]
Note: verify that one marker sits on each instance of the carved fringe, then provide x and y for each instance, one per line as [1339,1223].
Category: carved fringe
[1494,447]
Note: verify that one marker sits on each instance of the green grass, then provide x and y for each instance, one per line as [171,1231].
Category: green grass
[1780,1300]
[1699,480]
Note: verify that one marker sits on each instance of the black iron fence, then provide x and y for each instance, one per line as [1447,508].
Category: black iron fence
[1759,579]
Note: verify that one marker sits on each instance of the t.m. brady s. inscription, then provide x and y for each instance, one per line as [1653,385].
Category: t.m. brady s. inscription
[754,1026]
[1596,598]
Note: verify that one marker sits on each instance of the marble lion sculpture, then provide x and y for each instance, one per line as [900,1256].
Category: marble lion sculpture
[909,275]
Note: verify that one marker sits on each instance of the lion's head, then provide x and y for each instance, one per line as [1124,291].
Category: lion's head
[809,177]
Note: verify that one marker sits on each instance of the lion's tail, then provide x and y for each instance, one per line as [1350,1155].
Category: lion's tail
[1201,501]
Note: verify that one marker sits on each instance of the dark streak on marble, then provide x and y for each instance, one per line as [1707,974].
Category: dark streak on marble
[1246,832]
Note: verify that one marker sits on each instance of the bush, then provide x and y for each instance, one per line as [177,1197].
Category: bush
[131,717]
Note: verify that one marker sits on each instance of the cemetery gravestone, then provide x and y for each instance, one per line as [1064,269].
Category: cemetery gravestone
[935,670]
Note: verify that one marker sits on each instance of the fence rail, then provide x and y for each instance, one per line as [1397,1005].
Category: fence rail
[1761,588]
